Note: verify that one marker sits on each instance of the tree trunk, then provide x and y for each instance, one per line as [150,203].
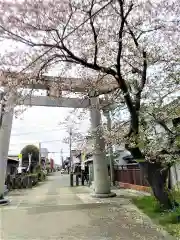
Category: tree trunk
[157,178]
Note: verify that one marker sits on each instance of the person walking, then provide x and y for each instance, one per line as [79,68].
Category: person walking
[86,173]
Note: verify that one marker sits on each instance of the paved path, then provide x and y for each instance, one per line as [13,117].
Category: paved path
[53,210]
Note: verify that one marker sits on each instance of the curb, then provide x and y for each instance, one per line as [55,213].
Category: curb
[134,187]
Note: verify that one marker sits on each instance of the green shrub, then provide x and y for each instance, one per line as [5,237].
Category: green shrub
[168,219]
[24,181]
[34,178]
[41,176]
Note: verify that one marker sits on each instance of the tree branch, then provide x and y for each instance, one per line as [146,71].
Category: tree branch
[143,72]
[94,33]
[132,35]
[65,27]
[162,124]
[85,63]
[51,59]
[143,82]
[120,34]
[16,37]
[148,31]
[119,78]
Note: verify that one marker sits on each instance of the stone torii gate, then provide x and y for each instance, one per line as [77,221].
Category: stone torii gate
[55,98]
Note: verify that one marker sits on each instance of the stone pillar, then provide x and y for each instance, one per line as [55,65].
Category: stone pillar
[101,179]
[91,173]
[5,133]
[109,146]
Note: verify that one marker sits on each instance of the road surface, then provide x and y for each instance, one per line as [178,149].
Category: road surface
[53,210]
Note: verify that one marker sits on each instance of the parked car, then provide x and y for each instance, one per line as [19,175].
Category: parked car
[62,171]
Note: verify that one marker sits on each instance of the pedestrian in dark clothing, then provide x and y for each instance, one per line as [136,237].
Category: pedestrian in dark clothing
[86,174]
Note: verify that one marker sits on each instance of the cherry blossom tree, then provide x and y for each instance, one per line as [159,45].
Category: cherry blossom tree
[134,43]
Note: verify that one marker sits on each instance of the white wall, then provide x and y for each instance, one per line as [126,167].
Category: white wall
[44,152]
[120,160]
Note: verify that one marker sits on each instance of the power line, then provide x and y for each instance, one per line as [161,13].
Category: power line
[59,140]
[27,133]
[42,131]
[61,124]
[52,141]
[49,141]
[59,152]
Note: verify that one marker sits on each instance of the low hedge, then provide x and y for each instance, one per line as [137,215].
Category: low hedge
[41,176]
[32,179]
[21,181]
[25,180]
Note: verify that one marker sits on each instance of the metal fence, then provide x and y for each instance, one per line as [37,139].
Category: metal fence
[131,174]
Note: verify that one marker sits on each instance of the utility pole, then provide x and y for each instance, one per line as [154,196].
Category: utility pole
[107,114]
[62,160]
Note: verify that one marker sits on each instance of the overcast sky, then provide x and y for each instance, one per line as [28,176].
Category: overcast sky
[41,124]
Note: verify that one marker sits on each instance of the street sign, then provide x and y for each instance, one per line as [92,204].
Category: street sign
[83,157]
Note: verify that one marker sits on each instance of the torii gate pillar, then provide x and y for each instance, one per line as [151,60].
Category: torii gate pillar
[5,133]
[101,180]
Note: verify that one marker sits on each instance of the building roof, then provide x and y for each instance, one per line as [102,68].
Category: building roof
[88,160]
[13,159]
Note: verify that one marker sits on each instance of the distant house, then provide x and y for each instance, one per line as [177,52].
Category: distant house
[12,164]
[124,157]
[76,156]
[44,153]
[44,156]
[168,114]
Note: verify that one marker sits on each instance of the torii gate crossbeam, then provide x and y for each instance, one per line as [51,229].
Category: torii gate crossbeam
[101,179]
[45,101]
[79,85]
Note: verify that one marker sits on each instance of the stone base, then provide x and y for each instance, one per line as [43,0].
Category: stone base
[6,190]
[4,201]
[103,195]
